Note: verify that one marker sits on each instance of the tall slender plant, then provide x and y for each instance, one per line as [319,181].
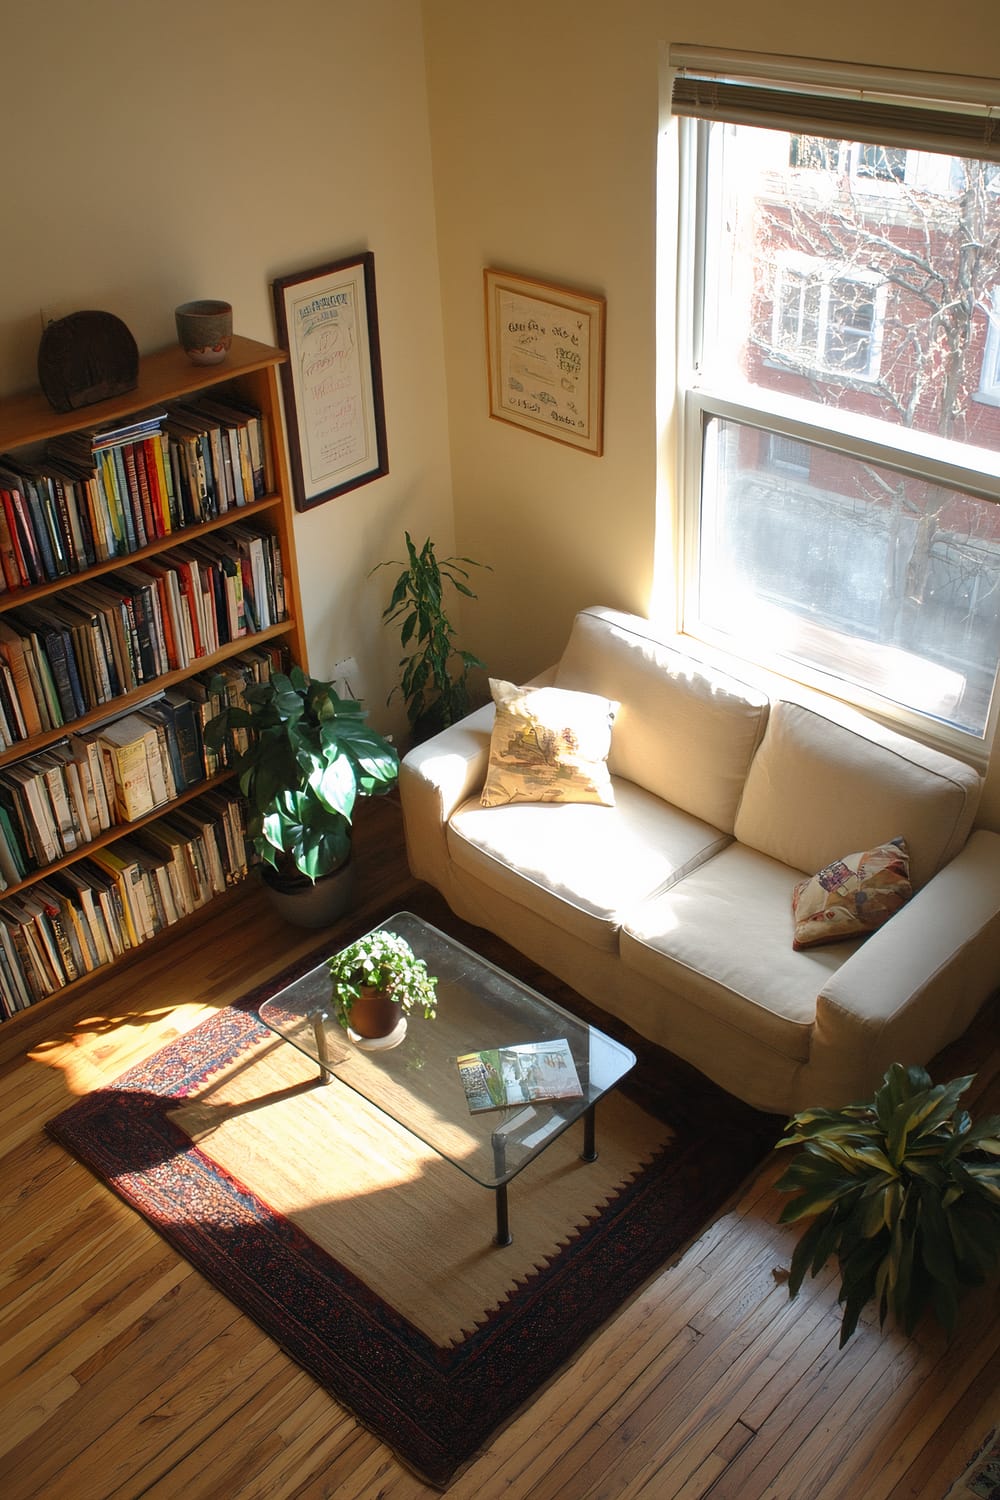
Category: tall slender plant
[435,672]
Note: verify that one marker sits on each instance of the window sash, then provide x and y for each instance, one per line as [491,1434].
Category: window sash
[706,393]
[784,420]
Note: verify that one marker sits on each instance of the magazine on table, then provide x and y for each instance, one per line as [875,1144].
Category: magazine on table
[529,1073]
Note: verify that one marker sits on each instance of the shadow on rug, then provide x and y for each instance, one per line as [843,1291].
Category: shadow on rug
[222,1142]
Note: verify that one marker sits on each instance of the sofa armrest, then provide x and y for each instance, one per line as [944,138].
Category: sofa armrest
[917,983]
[435,778]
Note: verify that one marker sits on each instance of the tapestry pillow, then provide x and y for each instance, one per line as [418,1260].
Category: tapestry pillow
[853,896]
[549,745]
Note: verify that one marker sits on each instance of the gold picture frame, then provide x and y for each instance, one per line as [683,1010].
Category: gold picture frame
[545,358]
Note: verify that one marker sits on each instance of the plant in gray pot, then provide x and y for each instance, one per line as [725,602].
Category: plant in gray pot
[376,981]
[904,1190]
[309,757]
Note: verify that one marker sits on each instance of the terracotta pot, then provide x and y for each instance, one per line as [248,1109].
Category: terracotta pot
[374,1014]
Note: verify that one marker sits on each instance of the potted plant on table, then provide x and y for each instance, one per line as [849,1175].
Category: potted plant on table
[376,981]
[904,1190]
[310,755]
[435,673]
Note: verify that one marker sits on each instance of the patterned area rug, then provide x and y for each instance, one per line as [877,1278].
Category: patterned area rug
[371,1263]
[981,1480]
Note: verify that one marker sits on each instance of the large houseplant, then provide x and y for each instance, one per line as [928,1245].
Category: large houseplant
[904,1191]
[376,980]
[310,754]
[435,671]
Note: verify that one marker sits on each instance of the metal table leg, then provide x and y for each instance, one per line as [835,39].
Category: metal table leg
[322,1049]
[503,1234]
[589,1152]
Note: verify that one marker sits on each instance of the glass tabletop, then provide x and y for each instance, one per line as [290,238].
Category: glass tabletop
[418,1082]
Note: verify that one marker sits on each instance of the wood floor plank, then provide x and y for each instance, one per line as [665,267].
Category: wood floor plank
[123,1374]
[952,1444]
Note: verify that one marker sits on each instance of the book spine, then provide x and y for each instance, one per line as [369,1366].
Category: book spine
[157,481]
[126,769]
[127,538]
[72,541]
[62,813]
[166,470]
[26,536]
[54,646]
[9,560]
[40,529]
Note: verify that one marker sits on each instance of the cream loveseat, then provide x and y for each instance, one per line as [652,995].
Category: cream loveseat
[672,909]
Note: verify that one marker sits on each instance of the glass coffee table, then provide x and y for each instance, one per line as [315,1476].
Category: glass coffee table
[416,1081]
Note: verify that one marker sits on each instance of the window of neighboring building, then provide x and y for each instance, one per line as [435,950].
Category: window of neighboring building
[839,375]
[887,163]
[826,317]
[788,454]
[815,153]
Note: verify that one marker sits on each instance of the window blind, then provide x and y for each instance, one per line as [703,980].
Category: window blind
[925,112]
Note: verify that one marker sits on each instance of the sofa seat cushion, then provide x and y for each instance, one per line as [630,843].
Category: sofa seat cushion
[722,938]
[684,730]
[579,865]
[818,787]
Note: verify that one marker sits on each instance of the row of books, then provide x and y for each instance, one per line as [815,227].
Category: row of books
[68,654]
[98,493]
[57,801]
[85,916]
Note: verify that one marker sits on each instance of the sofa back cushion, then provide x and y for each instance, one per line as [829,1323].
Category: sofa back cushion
[684,731]
[819,789]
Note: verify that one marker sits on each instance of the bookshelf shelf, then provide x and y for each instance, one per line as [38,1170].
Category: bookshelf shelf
[142,694]
[249,377]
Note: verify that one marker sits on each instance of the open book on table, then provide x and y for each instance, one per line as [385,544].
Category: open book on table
[529,1073]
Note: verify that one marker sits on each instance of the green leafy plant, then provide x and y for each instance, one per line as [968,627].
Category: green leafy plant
[904,1191]
[435,672]
[310,756]
[381,961]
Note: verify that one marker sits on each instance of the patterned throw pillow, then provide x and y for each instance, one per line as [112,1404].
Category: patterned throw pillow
[549,745]
[853,896]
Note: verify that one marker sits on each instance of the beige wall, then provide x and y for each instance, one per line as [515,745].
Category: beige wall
[153,154]
[543,128]
[156,153]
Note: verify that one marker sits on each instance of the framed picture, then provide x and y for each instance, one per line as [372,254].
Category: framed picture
[327,320]
[545,352]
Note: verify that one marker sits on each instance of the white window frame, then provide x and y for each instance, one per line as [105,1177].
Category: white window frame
[989,377]
[918,454]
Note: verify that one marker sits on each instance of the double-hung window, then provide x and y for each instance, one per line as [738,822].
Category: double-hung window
[838,380]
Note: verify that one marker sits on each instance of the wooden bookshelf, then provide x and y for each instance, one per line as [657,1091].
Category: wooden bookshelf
[27,423]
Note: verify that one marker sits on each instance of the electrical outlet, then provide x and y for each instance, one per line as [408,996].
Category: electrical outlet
[345,676]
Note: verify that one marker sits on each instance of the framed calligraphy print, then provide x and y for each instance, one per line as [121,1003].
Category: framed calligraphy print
[327,320]
[545,355]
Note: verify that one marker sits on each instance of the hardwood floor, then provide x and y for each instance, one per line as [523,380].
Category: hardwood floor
[125,1374]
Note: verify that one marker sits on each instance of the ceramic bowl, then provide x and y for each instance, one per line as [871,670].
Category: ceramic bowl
[205,330]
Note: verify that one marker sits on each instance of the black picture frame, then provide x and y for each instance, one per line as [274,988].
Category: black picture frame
[327,322]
